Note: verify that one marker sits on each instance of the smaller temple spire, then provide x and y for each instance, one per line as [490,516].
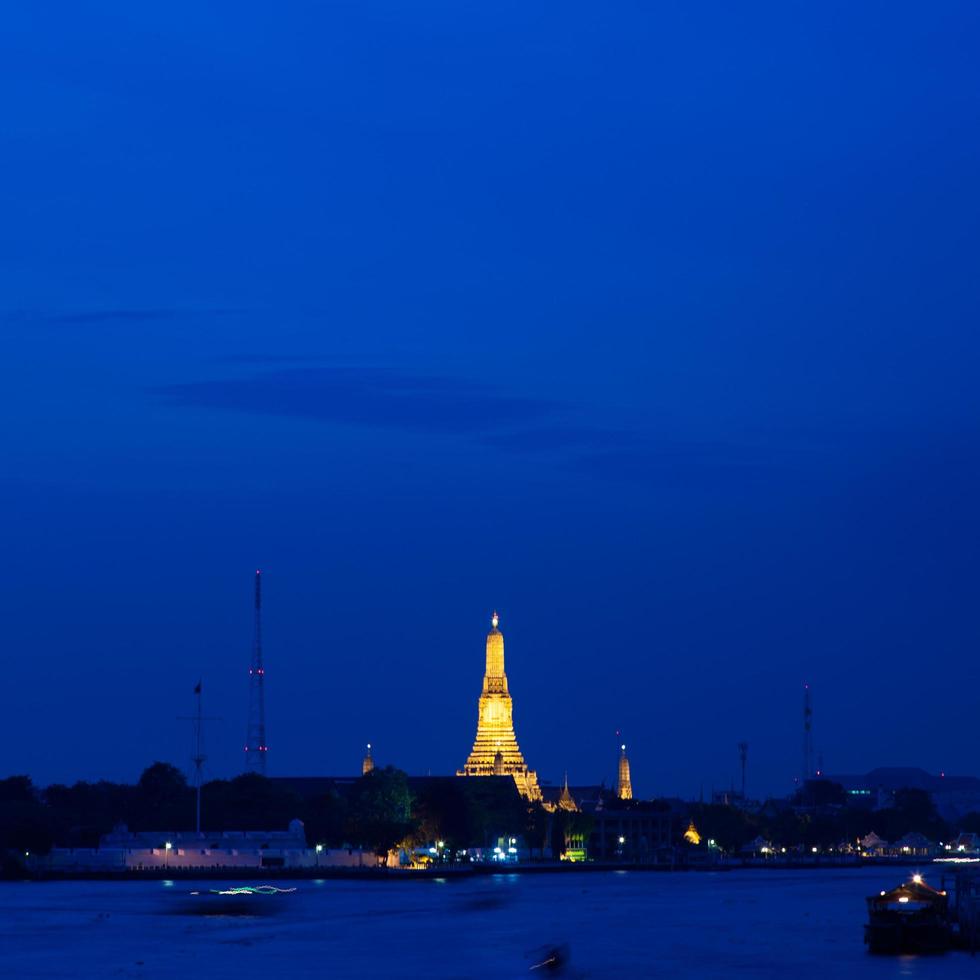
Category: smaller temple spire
[566,801]
[368,763]
[624,787]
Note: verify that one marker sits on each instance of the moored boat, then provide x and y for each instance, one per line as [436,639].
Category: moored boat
[913,918]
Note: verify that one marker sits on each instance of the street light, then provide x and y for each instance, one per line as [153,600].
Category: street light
[319,849]
[167,847]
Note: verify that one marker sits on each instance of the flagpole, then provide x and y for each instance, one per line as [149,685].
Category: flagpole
[198,719]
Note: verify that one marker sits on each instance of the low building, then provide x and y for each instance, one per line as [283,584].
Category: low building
[915,845]
[126,850]
[873,846]
[636,833]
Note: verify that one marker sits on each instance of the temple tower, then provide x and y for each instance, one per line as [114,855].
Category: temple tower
[367,763]
[624,788]
[495,750]
[566,801]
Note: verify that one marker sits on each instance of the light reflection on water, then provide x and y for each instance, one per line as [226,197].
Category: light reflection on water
[764,924]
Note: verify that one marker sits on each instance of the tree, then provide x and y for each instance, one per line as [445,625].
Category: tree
[443,810]
[380,814]
[729,827]
[25,823]
[820,792]
[82,813]
[162,800]
[970,824]
[325,819]
[913,810]
[536,827]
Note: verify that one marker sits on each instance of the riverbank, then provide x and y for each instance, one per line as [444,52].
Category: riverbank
[455,871]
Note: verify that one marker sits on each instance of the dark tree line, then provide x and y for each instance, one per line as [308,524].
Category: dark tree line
[377,812]
[824,816]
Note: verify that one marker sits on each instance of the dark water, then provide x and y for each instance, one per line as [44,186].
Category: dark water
[735,924]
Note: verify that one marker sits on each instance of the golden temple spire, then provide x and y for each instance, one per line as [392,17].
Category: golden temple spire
[368,762]
[495,750]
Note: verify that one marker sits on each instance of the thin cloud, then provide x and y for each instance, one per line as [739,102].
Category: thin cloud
[387,399]
[108,316]
[366,397]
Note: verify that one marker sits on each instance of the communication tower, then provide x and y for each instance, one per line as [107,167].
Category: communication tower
[255,744]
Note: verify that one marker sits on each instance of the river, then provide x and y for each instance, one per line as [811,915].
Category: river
[787,924]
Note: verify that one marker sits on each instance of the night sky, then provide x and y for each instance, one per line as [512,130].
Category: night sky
[652,325]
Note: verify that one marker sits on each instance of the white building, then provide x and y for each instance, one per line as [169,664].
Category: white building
[124,850]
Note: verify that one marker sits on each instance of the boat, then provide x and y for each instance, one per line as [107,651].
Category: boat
[236,900]
[913,918]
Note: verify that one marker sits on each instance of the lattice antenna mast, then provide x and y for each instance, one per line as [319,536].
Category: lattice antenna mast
[255,744]
[199,758]
[807,733]
[743,758]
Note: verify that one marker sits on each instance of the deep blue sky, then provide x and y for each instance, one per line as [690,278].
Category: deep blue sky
[652,325]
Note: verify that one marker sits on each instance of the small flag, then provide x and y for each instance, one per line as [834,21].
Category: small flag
[197,689]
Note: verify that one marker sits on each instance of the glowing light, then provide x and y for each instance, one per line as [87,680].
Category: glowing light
[882,893]
[168,846]
[494,619]
[319,848]
[622,840]
[440,844]
[917,879]
[814,849]
[904,899]
[252,890]
[691,835]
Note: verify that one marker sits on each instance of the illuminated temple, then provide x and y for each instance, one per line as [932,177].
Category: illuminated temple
[624,785]
[495,751]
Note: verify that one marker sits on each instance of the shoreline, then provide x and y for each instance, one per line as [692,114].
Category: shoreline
[455,872]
